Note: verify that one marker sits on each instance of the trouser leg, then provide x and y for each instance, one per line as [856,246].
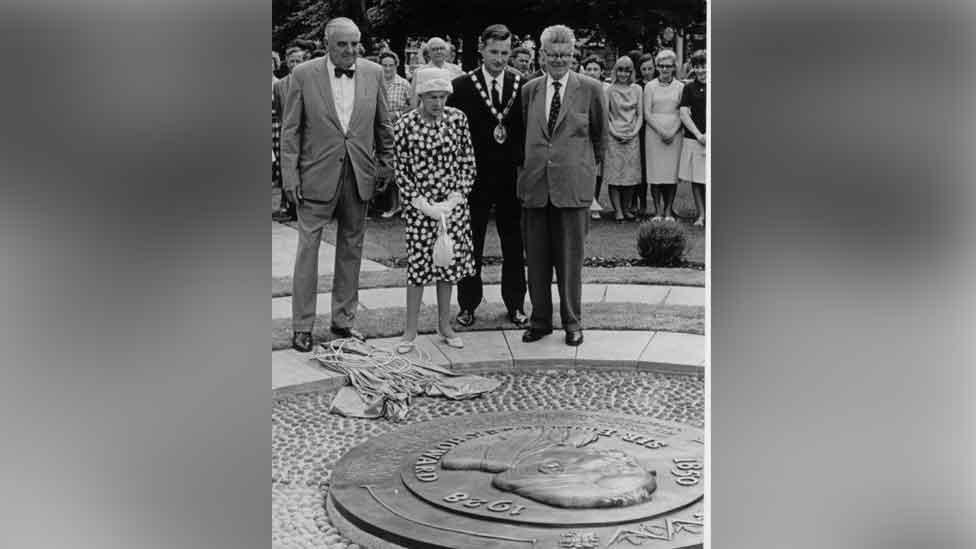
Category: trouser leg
[508,219]
[568,233]
[470,290]
[350,230]
[312,218]
[535,222]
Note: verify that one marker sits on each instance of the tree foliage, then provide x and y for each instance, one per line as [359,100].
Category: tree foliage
[625,23]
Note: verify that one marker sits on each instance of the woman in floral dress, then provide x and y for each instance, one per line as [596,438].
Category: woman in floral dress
[435,169]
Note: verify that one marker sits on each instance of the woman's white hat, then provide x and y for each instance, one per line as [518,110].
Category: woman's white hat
[431,79]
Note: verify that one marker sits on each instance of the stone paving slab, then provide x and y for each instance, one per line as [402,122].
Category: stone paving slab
[684,295]
[634,293]
[483,351]
[423,342]
[606,347]
[501,350]
[550,351]
[673,348]
[289,367]
[284,245]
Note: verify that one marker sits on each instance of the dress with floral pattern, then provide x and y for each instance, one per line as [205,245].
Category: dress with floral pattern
[434,159]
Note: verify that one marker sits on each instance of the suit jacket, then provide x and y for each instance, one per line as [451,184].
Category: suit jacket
[491,158]
[561,167]
[313,145]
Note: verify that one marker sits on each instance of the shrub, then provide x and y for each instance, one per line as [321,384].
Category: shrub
[661,244]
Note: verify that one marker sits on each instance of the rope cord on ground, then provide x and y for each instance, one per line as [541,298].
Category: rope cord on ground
[382,382]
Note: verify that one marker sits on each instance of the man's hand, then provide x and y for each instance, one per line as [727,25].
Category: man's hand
[295,195]
[382,183]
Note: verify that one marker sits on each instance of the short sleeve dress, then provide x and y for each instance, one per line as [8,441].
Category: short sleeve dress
[661,106]
[434,159]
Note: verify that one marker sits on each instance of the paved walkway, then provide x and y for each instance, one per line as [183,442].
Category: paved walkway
[501,350]
[496,349]
[284,244]
[378,298]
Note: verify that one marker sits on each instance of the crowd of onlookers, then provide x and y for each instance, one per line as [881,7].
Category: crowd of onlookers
[654,145]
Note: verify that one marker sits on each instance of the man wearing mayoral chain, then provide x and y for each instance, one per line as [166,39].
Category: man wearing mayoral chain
[490,96]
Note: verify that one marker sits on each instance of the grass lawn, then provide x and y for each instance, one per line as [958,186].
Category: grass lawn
[491,274]
[384,237]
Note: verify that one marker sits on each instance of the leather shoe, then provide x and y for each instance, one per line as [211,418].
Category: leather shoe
[518,318]
[302,342]
[465,318]
[347,333]
[532,334]
[574,338]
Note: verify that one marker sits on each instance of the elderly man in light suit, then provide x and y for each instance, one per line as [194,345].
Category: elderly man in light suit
[337,153]
[565,128]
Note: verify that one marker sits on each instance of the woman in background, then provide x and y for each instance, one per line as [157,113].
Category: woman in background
[593,67]
[622,161]
[692,166]
[399,100]
[661,136]
[275,125]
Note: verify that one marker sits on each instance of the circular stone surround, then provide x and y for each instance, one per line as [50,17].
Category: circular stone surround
[501,471]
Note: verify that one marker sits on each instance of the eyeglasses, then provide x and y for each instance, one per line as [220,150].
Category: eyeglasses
[559,56]
[665,66]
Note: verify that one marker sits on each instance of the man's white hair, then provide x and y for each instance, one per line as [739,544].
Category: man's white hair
[557,34]
[339,23]
[436,41]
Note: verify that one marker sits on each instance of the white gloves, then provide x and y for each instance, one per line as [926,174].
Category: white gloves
[437,209]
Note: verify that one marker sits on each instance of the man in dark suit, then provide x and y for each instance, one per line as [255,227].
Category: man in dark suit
[337,153]
[490,97]
[565,129]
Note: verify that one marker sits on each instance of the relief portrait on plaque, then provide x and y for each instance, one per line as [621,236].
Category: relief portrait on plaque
[557,466]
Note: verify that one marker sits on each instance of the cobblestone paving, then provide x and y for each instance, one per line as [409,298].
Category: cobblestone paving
[307,441]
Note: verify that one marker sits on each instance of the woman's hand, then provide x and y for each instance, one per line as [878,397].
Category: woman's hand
[701,139]
[433,211]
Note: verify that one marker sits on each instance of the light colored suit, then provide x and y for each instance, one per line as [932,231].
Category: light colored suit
[313,144]
[555,187]
[560,168]
[336,172]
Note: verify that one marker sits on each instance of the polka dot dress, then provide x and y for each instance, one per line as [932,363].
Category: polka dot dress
[434,159]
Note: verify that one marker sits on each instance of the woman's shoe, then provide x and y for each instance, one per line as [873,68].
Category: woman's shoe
[405,347]
[595,215]
[455,341]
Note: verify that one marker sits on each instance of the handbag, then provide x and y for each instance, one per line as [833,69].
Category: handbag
[443,246]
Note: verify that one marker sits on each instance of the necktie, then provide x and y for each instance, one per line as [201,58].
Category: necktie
[344,72]
[494,94]
[554,106]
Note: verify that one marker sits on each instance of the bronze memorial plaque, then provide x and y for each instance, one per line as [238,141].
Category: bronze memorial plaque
[525,479]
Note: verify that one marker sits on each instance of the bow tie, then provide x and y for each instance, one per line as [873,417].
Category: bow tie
[344,72]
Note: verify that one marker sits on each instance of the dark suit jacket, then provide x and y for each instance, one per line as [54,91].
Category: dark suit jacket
[313,145]
[562,167]
[491,158]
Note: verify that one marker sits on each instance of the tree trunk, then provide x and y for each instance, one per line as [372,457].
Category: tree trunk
[398,44]
[469,57]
